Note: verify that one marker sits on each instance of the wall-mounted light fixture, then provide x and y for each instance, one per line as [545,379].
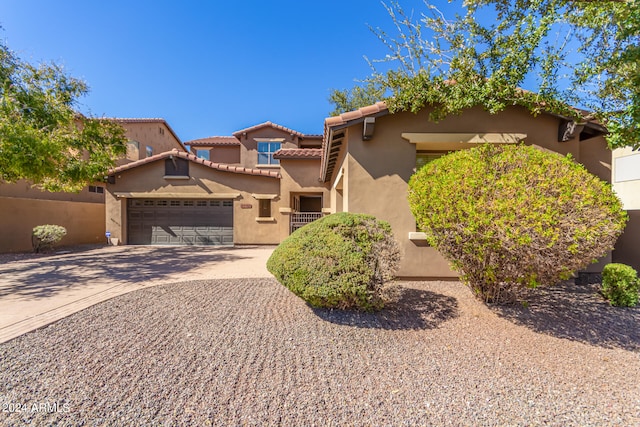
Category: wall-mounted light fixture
[367,131]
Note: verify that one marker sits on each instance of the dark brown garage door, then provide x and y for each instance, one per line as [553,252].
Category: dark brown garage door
[180,222]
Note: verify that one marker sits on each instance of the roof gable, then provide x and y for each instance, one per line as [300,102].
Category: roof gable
[184,155]
[151,120]
[271,125]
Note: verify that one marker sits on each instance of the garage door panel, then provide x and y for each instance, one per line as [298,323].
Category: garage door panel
[180,222]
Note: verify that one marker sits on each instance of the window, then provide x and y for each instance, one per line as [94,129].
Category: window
[96,189]
[423,158]
[149,151]
[265,153]
[176,166]
[264,208]
[202,154]
[227,203]
[174,203]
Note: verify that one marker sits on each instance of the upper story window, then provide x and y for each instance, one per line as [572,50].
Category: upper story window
[149,151]
[203,154]
[266,151]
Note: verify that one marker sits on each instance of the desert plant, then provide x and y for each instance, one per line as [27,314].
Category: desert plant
[44,237]
[513,216]
[341,261]
[620,285]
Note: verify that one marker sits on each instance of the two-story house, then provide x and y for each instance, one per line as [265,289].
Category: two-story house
[261,183]
[252,187]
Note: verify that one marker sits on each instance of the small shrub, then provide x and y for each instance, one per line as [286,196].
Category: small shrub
[620,285]
[341,261]
[513,217]
[44,237]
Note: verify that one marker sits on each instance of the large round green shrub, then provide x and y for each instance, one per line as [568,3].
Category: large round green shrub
[513,216]
[341,261]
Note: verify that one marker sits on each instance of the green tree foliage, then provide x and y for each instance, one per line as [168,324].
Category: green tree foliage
[581,53]
[354,98]
[341,261]
[511,217]
[620,285]
[42,138]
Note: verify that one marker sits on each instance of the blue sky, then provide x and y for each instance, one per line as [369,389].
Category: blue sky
[207,67]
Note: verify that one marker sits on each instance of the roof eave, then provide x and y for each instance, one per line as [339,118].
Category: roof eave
[185,155]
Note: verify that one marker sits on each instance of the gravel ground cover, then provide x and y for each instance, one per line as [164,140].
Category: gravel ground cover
[248,352]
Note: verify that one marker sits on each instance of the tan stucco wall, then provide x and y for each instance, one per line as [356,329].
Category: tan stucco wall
[25,190]
[154,134]
[377,171]
[596,156]
[28,206]
[203,181]
[84,221]
[225,154]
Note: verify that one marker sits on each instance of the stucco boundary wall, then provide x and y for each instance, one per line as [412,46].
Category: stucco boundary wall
[84,221]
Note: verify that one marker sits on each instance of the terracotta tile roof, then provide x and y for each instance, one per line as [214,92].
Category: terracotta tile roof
[269,124]
[213,140]
[193,158]
[350,116]
[298,153]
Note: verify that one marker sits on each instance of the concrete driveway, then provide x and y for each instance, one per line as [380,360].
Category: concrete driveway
[36,290]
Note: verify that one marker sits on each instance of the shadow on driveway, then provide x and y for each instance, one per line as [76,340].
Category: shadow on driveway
[45,276]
